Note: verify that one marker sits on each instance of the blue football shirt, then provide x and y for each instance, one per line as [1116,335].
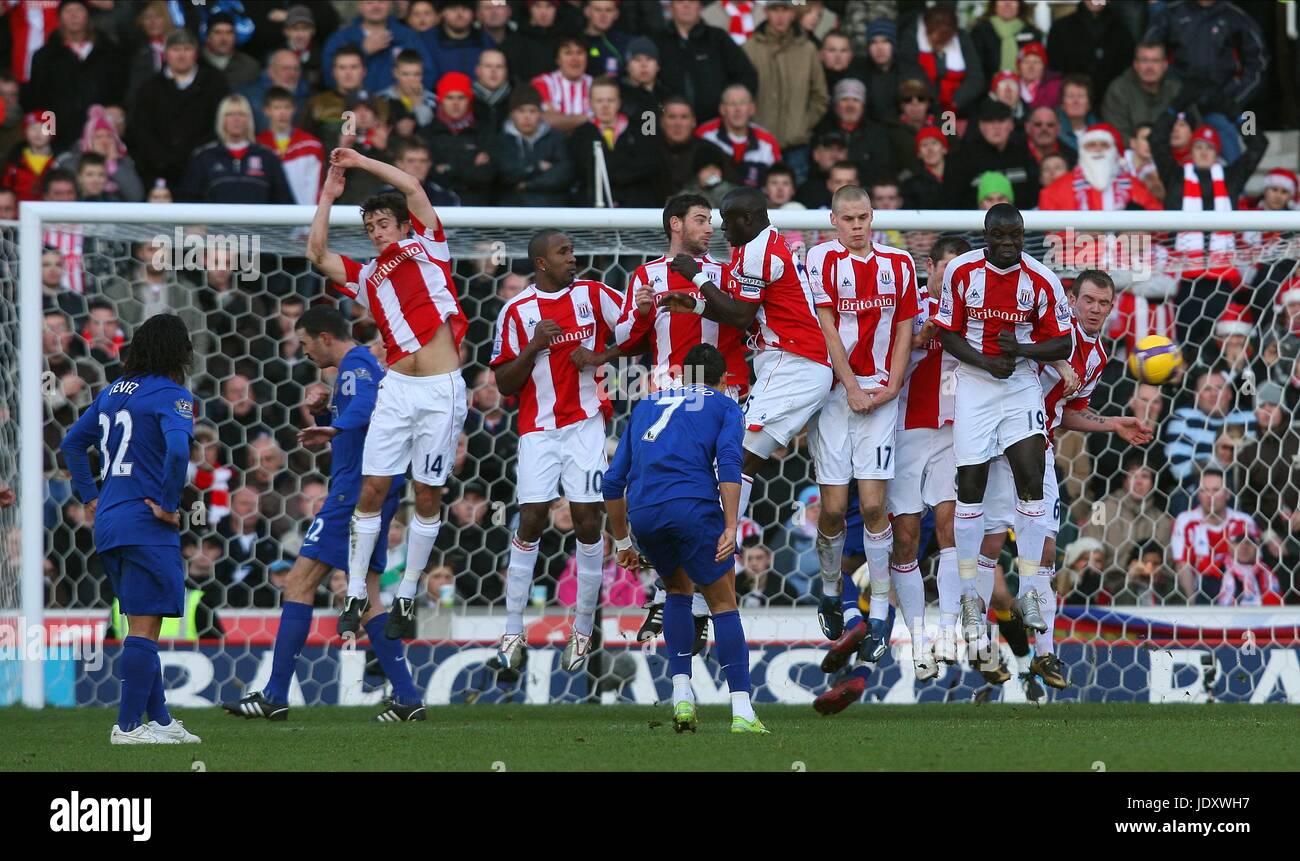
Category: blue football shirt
[356,388]
[129,423]
[678,444]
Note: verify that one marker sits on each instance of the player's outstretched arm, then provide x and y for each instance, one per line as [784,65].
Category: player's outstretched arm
[1128,428]
[417,202]
[718,306]
[329,263]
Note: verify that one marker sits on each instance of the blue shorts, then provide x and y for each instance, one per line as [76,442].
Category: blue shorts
[148,580]
[683,533]
[327,537]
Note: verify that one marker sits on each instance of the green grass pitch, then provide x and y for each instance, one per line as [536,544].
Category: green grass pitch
[1065,737]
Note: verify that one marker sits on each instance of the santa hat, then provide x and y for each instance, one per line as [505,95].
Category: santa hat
[1103,132]
[931,132]
[1288,292]
[1003,76]
[1236,319]
[1280,177]
[1209,135]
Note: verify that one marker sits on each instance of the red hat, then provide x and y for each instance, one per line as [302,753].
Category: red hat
[32,118]
[931,132]
[1280,177]
[1103,131]
[1035,48]
[1209,135]
[1288,292]
[1236,319]
[1004,75]
[455,82]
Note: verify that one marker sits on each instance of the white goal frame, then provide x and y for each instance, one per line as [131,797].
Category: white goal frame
[35,215]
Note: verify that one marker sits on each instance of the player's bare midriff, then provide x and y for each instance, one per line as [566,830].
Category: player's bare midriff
[439,356]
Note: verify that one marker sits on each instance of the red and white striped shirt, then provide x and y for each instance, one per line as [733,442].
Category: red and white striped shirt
[869,296]
[303,158]
[408,290]
[71,246]
[752,153]
[1088,358]
[562,95]
[31,23]
[928,396]
[979,301]
[1207,547]
[669,337]
[764,270]
[557,394]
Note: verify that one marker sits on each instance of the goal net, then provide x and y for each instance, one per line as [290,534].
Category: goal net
[1126,627]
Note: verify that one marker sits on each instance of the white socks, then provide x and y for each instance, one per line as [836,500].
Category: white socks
[682,691]
[878,545]
[519,576]
[1043,643]
[699,607]
[591,576]
[741,706]
[363,533]
[1031,533]
[949,588]
[968,528]
[911,600]
[830,553]
[420,538]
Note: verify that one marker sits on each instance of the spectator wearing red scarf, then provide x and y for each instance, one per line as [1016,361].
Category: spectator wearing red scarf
[458,144]
[949,59]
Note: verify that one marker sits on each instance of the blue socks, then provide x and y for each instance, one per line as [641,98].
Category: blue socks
[733,652]
[138,668]
[295,624]
[157,705]
[679,633]
[389,653]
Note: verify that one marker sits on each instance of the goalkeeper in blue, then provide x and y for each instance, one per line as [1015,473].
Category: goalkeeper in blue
[680,453]
[142,426]
[342,423]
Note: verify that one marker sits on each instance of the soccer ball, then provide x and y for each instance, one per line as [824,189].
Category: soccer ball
[1155,359]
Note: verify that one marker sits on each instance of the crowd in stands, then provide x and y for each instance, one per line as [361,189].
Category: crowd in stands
[928,105]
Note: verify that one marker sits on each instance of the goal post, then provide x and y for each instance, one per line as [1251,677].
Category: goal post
[484,232]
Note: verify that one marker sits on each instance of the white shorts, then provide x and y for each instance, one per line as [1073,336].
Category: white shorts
[1000,496]
[846,445]
[572,456]
[417,422]
[788,390]
[992,415]
[926,474]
